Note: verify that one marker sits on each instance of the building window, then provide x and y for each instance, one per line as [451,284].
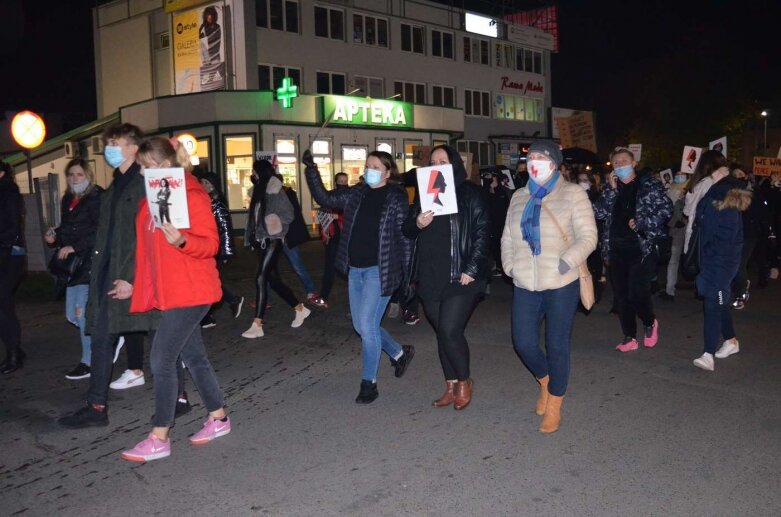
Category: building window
[444,96]
[442,44]
[287,163]
[281,15]
[410,92]
[239,153]
[369,87]
[412,38]
[515,107]
[329,23]
[481,151]
[504,55]
[476,50]
[331,82]
[354,162]
[270,76]
[369,30]
[527,60]
[477,103]
[538,62]
[321,152]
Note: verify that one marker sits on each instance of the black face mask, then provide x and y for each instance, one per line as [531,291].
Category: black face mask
[340,187]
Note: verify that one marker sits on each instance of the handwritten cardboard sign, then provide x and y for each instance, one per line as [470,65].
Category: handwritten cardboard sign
[765,165]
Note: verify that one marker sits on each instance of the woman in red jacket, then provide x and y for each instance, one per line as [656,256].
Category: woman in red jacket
[176,274]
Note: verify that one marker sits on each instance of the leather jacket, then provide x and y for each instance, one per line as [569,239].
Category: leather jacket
[469,234]
[224,227]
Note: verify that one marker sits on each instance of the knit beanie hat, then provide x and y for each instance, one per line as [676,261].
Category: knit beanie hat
[549,148]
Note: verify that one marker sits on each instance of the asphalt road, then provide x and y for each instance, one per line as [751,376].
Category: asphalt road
[643,433]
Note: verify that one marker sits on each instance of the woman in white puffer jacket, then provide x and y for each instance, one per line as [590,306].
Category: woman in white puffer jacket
[544,268]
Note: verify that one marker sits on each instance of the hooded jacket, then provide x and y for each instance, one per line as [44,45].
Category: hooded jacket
[469,228]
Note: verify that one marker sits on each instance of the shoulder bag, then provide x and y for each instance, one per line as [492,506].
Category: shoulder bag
[587,297]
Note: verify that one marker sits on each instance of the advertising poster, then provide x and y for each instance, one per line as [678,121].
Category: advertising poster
[199,49]
[719,145]
[269,156]
[437,189]
[691,155]
[166,196]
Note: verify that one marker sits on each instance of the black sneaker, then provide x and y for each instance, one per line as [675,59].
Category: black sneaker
[208,322]
[80,372]
[404,360]
[368,393]
[87,416]
[236,307]
[410,318]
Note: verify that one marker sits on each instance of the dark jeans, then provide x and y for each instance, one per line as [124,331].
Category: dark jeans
[557,307]
[631,276]
[740,284]
[718,318]
[179,334]
[102,355]
[11,268]
[269,275]
[134,347]
[449,318]
[329,269]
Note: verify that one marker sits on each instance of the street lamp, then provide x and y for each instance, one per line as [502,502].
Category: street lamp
[764,115]
[28,130]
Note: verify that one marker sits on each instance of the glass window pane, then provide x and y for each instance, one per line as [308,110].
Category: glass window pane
[276,14]
[337,24]
[357,28]
[323,82]
[462,146]
[527,60]
[437,101]
[398,88]
[285,146]
[409,92]
[417,44]
[382,33]
[484,52]
[264,77]
[238,170]
[376,89]
[295,76]
[468,102]
[538,62]
[338,82]
[474,148]
[291,16]
[370,31]
[467,49]
[321,147]
[519,59]
[529,109]
[385,147]
[279,74]
[484,154]
[486,104]
[321,22]
[447,45]
[361,84]
[498,54]
[406,38]
[261,13]
[509,107]
[519,108]
[476,106]
[450,100]
[436,43]
[420,93]
[500,102]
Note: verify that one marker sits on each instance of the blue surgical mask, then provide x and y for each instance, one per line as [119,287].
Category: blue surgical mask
[681,178]
[113,155]
[624,172]
[372,176]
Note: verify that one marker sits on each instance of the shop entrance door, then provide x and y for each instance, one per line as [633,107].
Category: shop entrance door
[354,161]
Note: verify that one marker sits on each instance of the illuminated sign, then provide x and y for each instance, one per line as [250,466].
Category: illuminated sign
[28,129]
[481,25]
[287,92]
[359,111]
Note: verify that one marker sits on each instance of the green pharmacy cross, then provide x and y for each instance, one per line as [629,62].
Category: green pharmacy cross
[286,92]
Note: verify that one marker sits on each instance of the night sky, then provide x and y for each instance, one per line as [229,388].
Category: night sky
[686,66]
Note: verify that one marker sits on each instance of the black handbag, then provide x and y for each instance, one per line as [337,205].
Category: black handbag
[664,249]
[690,265]
[66,268]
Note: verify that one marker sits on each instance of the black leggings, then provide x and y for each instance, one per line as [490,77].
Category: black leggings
[449,318]
[269,275]
[631,275]
[11,269]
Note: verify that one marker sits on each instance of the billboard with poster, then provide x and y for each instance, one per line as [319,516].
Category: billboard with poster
[199,49]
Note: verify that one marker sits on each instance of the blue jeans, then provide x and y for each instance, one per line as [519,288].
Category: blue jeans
[75,312]
[558,307]
[367,305]
[718,318]
[298,266]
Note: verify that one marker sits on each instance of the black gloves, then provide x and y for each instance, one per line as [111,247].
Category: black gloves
[308,160]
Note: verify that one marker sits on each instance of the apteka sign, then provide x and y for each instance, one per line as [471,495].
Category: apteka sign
[352,111]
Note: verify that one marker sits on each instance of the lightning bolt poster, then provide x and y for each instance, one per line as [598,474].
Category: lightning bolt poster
[437,190]
[166,196]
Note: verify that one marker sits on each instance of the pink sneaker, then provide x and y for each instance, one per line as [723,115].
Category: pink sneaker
[651,335]
[628,345]
[212,429]
[152,448]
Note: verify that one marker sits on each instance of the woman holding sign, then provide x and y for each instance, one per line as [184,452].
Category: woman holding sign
[373,253]
[176,274]
[450,265]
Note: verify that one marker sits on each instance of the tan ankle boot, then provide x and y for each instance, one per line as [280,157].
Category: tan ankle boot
[448,397]
[463,394]
[552,419]
[542,400]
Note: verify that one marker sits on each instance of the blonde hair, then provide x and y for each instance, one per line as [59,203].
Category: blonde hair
[157,149]
[88,172]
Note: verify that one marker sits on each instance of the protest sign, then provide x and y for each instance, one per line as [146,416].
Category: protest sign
[691,155]
[719,145]
[437,190]
[166,196]
[637,150]
[765,165]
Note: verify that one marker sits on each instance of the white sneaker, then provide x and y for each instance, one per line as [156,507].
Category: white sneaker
[705,361]
[253,331]
[128,379]
[300,317]
[729,347]
[393,310]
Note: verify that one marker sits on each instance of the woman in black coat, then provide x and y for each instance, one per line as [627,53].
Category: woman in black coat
[12,253]
[76,237]
[451,266]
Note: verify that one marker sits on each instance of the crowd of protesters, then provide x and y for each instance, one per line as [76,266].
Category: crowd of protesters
[535,227]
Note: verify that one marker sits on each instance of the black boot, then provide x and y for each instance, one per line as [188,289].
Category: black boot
[14,361]
[368,393]
[403,362]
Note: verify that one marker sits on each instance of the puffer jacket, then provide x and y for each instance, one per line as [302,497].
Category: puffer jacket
[224,226]
[571,207]
[469,233]
[653,211]
[77,229]
[720,226]
[394,249]
[277,203]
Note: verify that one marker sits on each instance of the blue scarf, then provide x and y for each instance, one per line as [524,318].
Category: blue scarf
[530,219]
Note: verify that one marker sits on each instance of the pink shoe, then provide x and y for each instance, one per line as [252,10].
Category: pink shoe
[651,335]
[212,429]
[628,345]
[152,448]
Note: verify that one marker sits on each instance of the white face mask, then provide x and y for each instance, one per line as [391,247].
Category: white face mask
[540,171]
[585,185]
[79,188]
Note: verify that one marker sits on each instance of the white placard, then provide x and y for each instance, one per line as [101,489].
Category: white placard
[507,179]
[437,189]
[667,177]
[166,196]
[637,150]
[269,156]
[690,158]
[719,145]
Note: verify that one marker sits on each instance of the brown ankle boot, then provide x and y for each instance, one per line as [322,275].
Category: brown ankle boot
[552,419]
[542,400]
[463,394]
[447,398]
